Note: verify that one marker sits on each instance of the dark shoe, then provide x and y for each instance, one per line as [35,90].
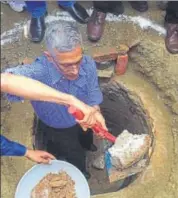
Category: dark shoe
[95,27]
[77,12]
[141,6]
[171,40]
[118,9]
[87,175]
[37,29]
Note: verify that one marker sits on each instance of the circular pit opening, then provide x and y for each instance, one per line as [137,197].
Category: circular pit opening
[122,110]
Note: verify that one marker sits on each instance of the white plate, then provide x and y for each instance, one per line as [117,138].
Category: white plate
[37,172]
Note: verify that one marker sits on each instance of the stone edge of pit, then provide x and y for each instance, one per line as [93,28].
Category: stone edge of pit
[153,180]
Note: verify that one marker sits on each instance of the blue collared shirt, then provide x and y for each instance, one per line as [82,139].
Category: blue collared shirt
[85,88]
[9,148]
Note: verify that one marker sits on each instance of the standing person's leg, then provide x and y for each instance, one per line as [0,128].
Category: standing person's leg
[162,4]
[141,6]
[171,23]
[37,9]
[95,27]
[101,6]
[116,7]
[75,10]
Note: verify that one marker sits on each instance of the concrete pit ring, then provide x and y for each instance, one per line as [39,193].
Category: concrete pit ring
[122,110]
[148,115]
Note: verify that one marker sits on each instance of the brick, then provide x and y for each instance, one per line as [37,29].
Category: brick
[104,54]
[121,64]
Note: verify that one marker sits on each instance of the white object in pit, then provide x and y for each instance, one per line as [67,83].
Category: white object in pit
[128,149]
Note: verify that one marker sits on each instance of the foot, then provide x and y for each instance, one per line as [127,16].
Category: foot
[87,175]
[171,40]
[37,29]
[141,6]
[118,9]
[95,26]
[77,12]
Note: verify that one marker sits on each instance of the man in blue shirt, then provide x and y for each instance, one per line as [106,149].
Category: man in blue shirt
[64,68]
[33,90]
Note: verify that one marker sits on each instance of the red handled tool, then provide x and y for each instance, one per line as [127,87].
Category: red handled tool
[97,128]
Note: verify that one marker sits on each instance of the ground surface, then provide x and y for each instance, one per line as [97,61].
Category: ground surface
[149,62]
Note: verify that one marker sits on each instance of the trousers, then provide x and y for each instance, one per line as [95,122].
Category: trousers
[68,144]
[172,12]
[104,6]
[38,8]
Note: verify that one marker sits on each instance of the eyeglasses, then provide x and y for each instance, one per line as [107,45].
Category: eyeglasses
[71,64]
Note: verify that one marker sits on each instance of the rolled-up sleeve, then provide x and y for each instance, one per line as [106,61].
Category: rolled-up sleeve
[10,148]
[95,94]
[33,71]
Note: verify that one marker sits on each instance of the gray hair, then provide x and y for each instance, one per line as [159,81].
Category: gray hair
[63,36]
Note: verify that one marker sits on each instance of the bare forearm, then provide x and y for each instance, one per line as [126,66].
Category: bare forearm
[32,89]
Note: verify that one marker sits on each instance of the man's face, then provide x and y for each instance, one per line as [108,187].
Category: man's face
[68,62]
